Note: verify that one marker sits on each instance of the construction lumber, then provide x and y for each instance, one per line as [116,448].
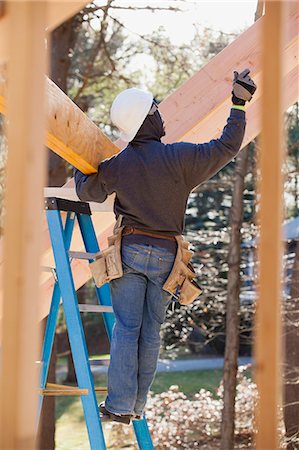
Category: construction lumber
[196,112]
[23,224]
[60,11]
[3,36]
[176,109]
[70,133]
[57,12]
[268,317]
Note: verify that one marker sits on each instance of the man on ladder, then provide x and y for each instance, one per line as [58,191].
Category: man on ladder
[152,182]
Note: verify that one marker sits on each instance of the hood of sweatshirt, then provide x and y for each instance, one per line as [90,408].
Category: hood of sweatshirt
[152,129]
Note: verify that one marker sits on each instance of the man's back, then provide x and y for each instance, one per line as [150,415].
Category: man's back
[152,180]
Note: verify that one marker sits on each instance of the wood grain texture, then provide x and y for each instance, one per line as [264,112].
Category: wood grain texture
[26,170]
[196,112]
[60,11]
[268,316]
[70,133]
[57,12]
[197,126]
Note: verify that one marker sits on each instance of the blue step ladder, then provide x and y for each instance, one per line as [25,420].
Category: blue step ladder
[64,289]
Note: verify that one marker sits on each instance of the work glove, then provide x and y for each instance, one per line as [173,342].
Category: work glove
[243,87]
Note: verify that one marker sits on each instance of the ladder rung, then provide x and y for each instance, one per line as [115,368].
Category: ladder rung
[59,390]
[83,255]
[95,308]
[53,389]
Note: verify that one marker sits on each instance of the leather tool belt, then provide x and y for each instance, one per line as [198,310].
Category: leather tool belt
[108,265]
[132,230]
[180,282]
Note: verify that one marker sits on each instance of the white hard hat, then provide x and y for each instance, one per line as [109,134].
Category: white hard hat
[129,110]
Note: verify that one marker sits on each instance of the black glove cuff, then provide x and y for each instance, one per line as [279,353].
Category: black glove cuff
[237,101]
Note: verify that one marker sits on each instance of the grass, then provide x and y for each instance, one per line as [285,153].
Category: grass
[189,382]
[71,431]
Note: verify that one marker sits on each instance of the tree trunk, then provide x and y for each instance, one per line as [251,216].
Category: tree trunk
[291,371]
[62,40]
[233,296]
[233,307]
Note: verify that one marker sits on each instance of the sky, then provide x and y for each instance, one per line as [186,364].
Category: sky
[220,15]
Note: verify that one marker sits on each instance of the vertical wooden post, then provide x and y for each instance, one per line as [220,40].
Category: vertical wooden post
[23,223]
[268,321]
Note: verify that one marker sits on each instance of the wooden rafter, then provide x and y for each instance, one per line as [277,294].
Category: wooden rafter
[70,133]
[57,12]
[197,127]
[60,11]
[196,112]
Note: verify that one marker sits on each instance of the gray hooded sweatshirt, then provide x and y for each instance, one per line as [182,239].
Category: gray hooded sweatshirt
[152,180]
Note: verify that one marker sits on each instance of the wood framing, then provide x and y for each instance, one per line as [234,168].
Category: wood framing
[60,11]
[3,40]
[70,133]
[56,11]
[175,108]
[196,112]
[268,317]
[23,224]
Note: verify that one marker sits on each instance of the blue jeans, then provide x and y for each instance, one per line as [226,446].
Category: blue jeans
[139,304]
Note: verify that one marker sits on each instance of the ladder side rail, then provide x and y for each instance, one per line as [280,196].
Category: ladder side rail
[143,435]
[92,246]
[75,331]
[141,429]
[52,317]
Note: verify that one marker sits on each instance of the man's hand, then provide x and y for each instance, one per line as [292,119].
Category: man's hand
[243,87]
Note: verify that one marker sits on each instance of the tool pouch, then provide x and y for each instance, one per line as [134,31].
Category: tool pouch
[107,265]
[180,282]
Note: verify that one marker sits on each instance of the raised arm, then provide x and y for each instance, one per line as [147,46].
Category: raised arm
[200,162]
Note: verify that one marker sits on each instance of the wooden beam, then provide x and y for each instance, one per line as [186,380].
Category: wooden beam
[3,37]
[23,224]
[57,13]
[205,130]
[70,133]
[268,317]
[190,113]
[60,11]
[196,112]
